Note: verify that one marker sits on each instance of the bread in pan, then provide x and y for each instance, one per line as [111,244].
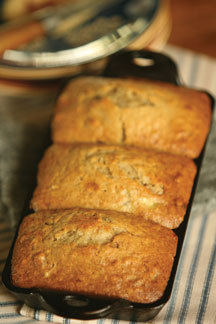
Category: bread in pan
[134,112]
[95,253]
[142,182]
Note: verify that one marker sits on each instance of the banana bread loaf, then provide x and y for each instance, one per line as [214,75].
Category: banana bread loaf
[142,182]
[96,253]
[134,112]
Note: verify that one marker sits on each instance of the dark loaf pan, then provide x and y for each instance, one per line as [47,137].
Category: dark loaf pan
[159,67]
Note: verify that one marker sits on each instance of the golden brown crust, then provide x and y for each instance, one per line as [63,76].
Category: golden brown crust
[93,252]
[133,112]
[142,182]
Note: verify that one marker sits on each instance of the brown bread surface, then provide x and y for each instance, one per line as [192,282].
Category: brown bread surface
[96,253]
[142,182]
[133,112]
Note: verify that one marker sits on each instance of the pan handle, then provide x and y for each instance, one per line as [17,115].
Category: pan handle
[145,64]
[78,306]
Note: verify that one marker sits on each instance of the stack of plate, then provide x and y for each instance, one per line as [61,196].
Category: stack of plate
[79,36]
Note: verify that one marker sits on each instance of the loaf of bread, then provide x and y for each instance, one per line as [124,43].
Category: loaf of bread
[142,182]
[96,253]
[133,112]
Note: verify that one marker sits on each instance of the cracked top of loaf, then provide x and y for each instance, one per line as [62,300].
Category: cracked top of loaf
[96,253]
[135,112]
[143,182]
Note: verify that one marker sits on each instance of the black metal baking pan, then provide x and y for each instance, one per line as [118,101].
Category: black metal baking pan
[156,67]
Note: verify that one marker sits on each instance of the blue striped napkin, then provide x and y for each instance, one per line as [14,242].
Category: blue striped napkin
[193,299]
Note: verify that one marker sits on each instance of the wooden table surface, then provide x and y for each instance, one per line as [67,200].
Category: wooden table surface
[194,25]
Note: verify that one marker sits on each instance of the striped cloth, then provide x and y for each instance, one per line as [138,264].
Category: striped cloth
[193,299]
